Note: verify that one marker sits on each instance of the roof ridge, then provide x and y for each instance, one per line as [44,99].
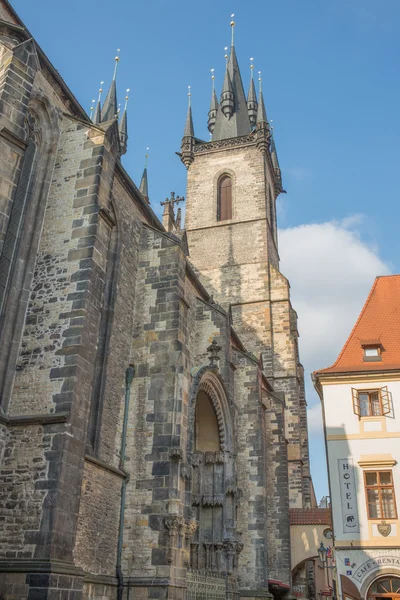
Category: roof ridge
[353,329]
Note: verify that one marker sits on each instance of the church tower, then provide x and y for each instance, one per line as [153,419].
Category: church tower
[233,182]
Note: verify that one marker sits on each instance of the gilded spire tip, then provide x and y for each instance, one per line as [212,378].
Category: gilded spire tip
[260,81]
[116,62]
[213,79]
[189,95]
[226,55]
[251,68]
[126,99]
[233,29]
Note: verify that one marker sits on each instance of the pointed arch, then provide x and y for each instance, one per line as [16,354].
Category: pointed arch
[42,130]
[224,203]
[209,381]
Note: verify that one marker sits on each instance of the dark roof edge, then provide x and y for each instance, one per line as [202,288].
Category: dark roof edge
[144,206]
[46,61]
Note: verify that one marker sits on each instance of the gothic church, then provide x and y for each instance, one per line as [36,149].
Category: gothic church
[153,431]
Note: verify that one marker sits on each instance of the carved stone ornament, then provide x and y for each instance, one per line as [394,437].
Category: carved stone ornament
[384,528]
[185,472]
[176,453]
[32,127]
[218,144]
[173,523]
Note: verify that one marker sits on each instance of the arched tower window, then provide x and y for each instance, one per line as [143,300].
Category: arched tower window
[224,198]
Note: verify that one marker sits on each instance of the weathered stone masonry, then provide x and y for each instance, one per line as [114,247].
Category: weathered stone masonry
[145,487]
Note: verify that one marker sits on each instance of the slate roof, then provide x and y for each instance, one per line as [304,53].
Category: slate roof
[378,324]
[239,123]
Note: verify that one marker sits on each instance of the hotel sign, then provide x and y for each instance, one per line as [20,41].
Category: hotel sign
[348,496]
[374,564]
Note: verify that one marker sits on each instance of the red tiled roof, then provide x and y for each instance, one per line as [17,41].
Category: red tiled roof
[378,323]
[310,516]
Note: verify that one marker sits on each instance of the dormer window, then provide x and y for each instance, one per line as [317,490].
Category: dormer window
[372,352]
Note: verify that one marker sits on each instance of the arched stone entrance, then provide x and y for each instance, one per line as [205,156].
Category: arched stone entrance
[216,544]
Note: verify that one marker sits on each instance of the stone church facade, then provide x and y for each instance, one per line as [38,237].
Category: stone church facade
[153,429]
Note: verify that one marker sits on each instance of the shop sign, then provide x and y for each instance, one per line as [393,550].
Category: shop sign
[348,496]
[374,564]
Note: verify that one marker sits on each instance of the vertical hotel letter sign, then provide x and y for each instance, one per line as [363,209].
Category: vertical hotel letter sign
[348,496]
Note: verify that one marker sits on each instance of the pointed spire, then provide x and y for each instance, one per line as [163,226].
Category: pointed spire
[261,112]
[227,96]
[144,188]
[274,155]
[252,104]
[189,129]
[97,114]
[123,126]
[232,116]
[187,144]
[110,106]
[212,113]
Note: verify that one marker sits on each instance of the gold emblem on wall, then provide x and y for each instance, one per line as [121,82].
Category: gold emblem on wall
[384,528]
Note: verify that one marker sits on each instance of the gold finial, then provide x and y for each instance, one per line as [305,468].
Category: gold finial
[233,29]
[189,94]
[147,158]
[226,55]
[260,81]
[100,91]
[126,99]
[251,68]
[116,62]
[213,79]
[92,109]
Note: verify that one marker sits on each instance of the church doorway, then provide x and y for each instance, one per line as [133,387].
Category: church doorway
[385,588]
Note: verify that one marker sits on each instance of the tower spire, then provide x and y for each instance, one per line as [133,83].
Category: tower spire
[110,106]
[263,129]
[212,113]
[144,188]
[187,143]
[261,112]
[123,126]
[189,129]
[252,104]
[232,117]
[227,96]
[97,114]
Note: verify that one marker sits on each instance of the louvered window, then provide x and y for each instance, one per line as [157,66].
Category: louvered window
[224,198]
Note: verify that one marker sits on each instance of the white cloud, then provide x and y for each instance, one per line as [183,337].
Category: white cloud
[331,270]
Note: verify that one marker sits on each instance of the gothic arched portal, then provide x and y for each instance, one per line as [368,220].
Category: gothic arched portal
[214,493]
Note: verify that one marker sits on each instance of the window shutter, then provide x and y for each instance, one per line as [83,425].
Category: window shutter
[356,402]
[385,397]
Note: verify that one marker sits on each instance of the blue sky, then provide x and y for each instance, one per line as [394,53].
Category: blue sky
[332,87]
